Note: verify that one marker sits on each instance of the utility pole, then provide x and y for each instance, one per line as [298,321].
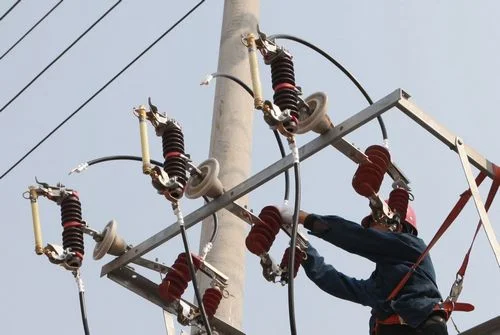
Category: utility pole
[231,145]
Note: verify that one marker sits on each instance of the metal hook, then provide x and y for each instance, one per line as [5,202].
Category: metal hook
[153,108]
[262,35]
[45,185]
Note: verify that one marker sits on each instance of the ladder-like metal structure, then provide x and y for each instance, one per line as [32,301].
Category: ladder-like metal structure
[118,271]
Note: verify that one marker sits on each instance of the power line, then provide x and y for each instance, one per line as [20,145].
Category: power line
[31,29]
[11,8]
[60,55]
[101,89]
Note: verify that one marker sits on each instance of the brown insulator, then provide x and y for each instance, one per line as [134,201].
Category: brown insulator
[173,150]
[299,257]
[262,235]
[370,174]
[211,300]
[176,281]
[285,92]
[398,201]
[72,235]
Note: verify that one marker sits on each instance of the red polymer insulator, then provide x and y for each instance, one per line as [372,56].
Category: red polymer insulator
[367,179]
[379,155]
[176,281]
[262,235]
[71,220]
[369,175]
[299,257]
[211,300]
[398,201]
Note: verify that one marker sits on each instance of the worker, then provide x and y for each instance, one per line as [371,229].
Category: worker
[394,248]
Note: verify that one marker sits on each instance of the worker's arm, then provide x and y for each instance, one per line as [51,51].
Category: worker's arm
[327,278]
[369,243]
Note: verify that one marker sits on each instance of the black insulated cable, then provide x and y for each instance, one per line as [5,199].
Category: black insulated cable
[157,163]
[31,29]
[195,281]
[283,154]
[81,296]
[276,133]
[100,90]
[121,157]
[216,223]
[11,8]
[340,67]
[59,56]
[235,79]
[84,313]
[293,241]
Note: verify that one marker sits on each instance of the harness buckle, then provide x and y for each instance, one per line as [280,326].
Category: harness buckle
[456,289]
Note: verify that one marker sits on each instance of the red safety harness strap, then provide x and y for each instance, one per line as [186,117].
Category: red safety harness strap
[462,201]
[447,306]
[489,201]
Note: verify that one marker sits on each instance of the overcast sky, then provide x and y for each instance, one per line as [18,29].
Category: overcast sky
[443,53]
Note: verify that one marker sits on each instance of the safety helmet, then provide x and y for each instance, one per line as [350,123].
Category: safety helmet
[410,219]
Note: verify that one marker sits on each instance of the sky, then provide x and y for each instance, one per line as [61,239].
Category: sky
[443,53]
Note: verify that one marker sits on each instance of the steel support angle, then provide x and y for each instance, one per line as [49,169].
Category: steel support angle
[149,291]
[445,136]
[275,169]
[483,215]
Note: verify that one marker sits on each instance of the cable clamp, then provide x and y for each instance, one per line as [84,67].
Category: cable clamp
[206,250]
[178,214]
[79,281]
[295,150]
[80,168]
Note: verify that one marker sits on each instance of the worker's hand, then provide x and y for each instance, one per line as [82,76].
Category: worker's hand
[286,213]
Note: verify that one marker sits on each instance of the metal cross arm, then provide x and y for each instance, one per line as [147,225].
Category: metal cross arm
[445,136]
[258,179]
[149,291]
[481,210]
[275,169]
[467,155]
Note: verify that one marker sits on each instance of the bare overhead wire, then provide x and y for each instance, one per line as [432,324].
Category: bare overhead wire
[31,29]
[59,56]
[11,8]
[101,89]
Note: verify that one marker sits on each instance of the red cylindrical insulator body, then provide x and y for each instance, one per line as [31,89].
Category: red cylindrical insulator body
[299,257]
[369,175]
[211,300]
[176,281]
[379,155]
[398,201]
[262,235]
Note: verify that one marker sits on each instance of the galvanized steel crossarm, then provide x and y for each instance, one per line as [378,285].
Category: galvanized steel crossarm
[147,289]
[445,136]
[275,169]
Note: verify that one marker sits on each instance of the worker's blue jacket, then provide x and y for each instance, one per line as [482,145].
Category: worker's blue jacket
[393,254]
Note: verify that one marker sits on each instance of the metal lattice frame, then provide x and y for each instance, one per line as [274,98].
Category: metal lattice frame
[116,270]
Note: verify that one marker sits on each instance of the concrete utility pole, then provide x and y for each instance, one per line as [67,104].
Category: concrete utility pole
[231,145]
